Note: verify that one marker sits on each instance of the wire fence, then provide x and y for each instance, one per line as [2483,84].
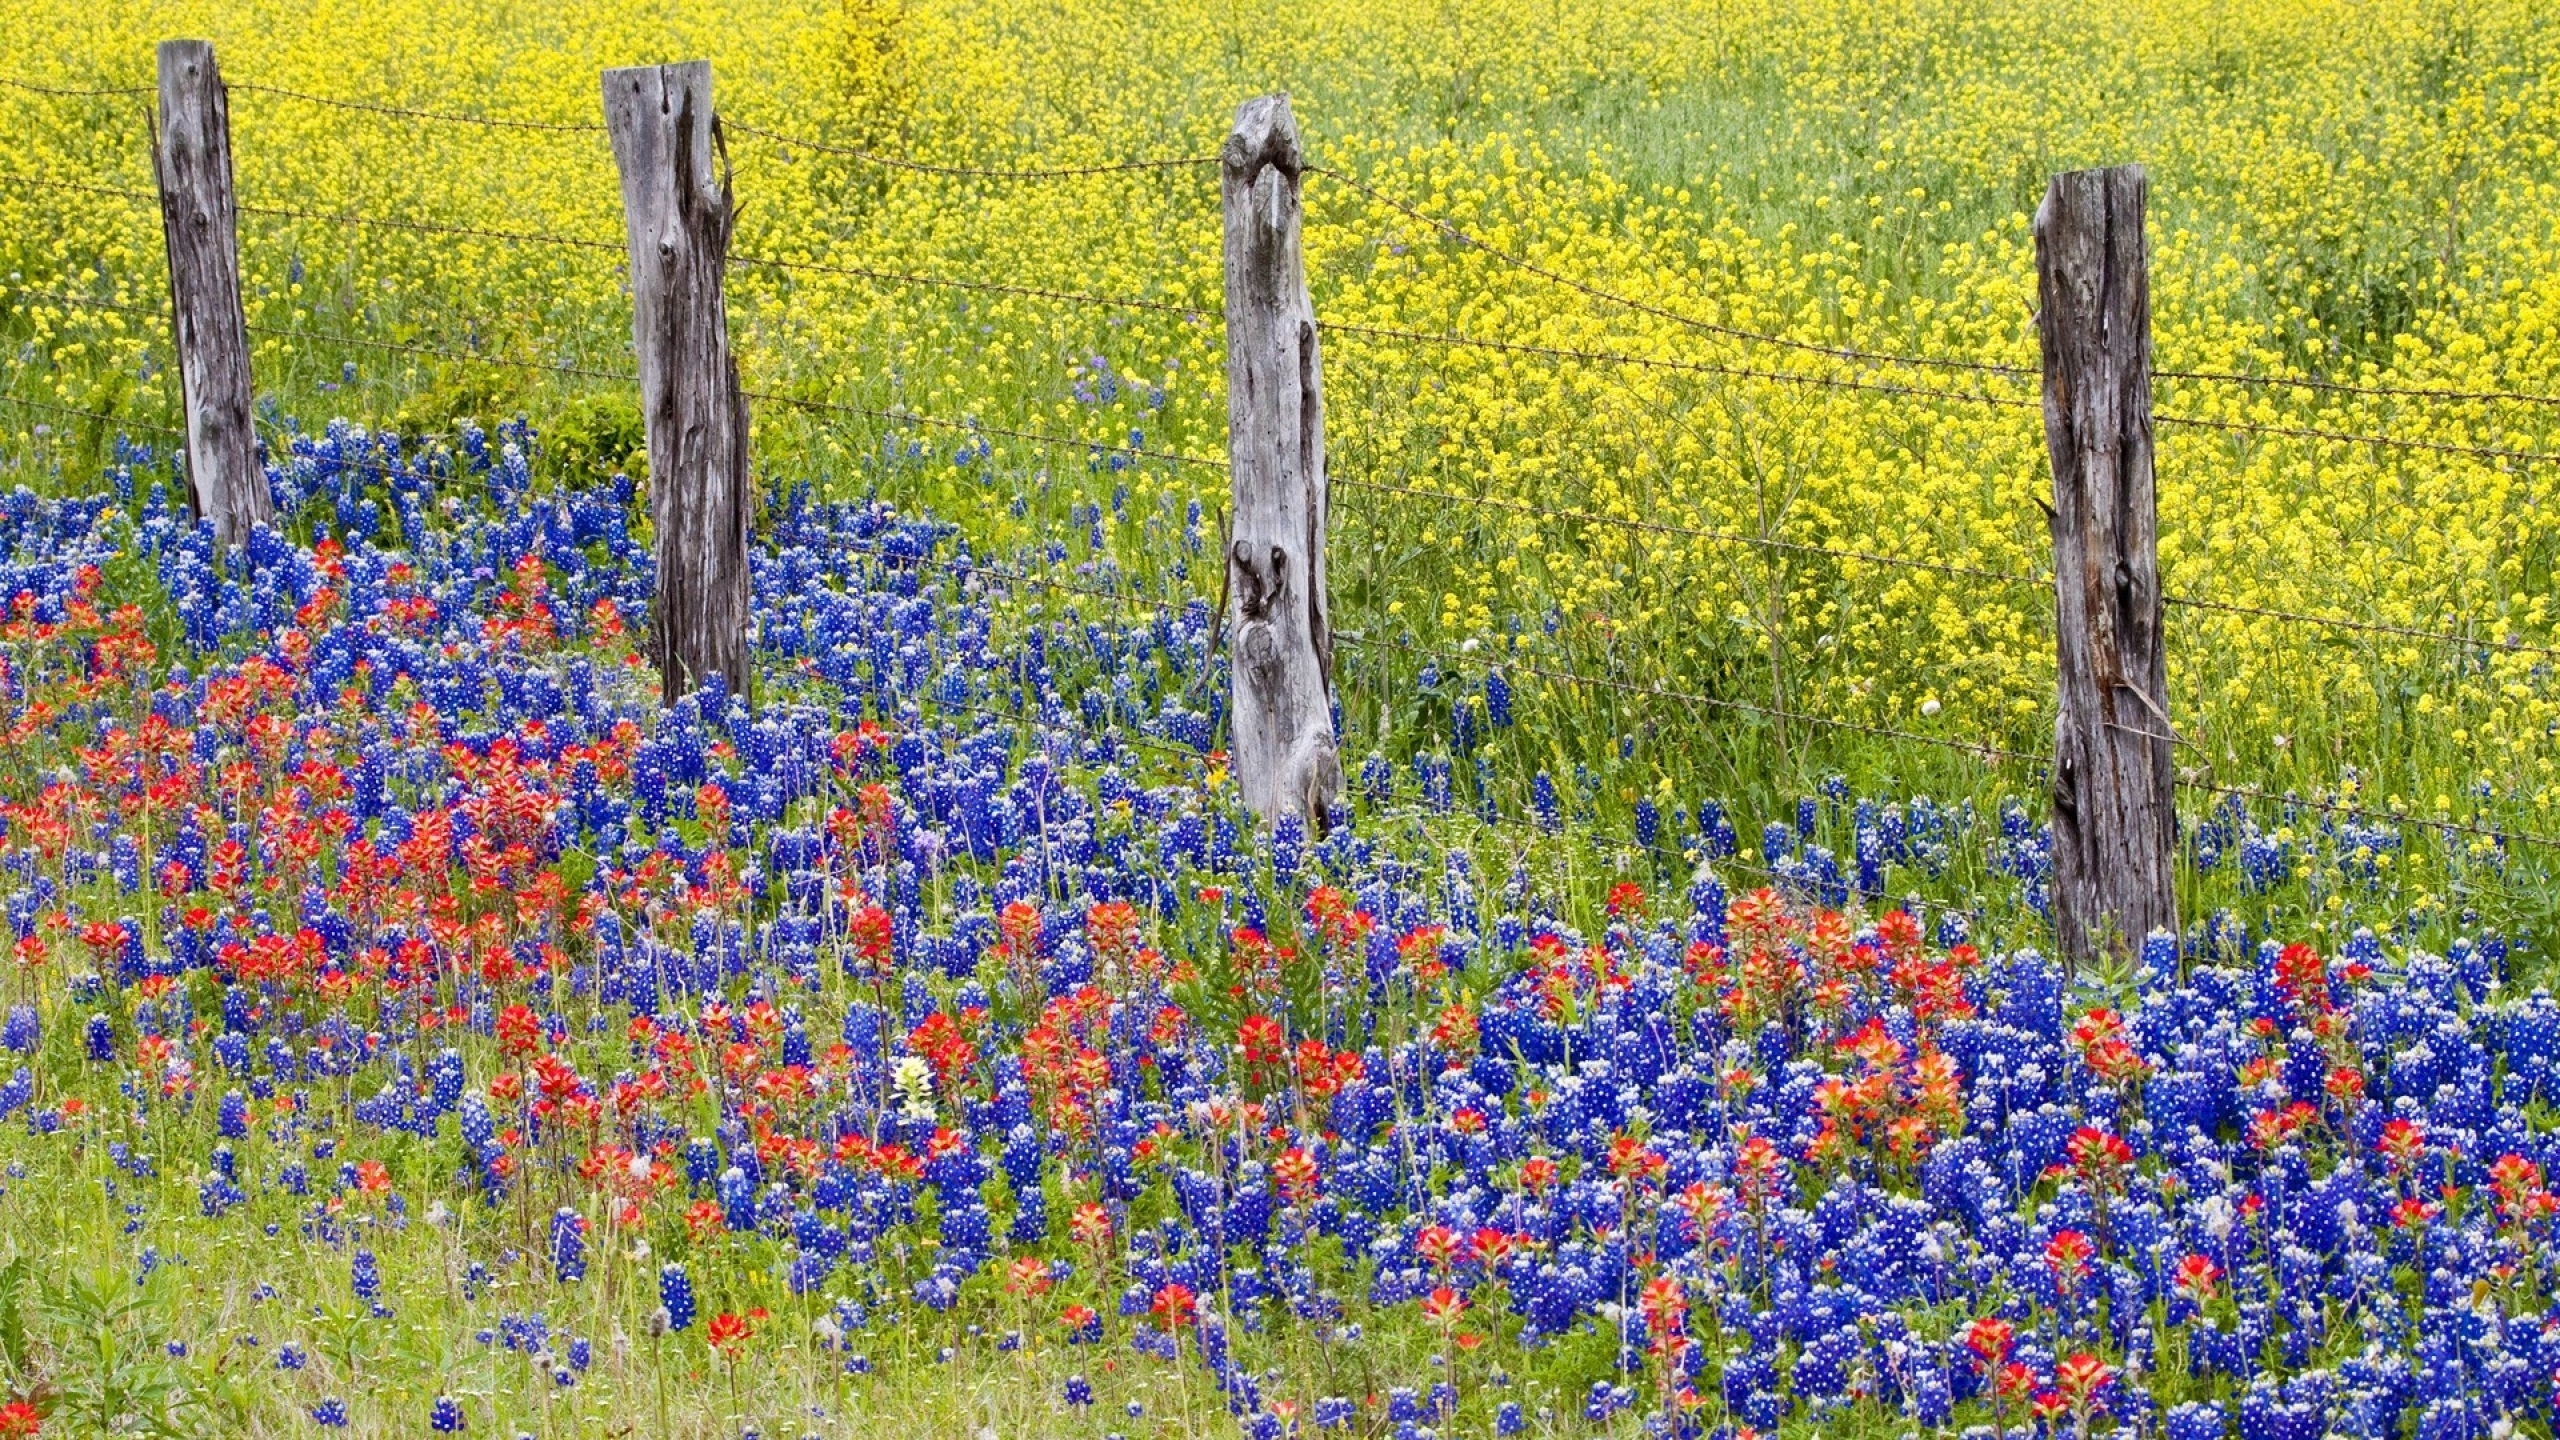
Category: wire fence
[2340,387]
[969,568]
[2480,636]
[2504,642]
[406,112]
[68,92]
[103,417]
[973,172]
[1361,331]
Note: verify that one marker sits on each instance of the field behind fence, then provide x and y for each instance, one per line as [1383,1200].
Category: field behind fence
[1638,481]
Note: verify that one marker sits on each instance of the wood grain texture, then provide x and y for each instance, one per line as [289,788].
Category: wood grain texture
[1281,650]
[199,219]
[2114,831]
[677,216]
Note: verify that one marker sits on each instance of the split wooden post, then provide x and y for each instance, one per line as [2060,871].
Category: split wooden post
[1281,654]
[2114,831]
[200,221]
[677,215]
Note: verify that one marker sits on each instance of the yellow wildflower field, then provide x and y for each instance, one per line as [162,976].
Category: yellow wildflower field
[1649,474]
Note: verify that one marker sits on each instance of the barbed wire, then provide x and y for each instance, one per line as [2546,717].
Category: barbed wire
[321,337]
[2512,645]
[429,227]
[594,127]
[2515,646]
[2453,827]
[546,367]
[529,237]
[535,237]
[2295,382]
[999,574]
[47,182]
[568,369]
[1703,367]
[72,92]
[906,417]
[329,338]
[965,568]
[407,112]
[112,419]
[370,107]
[902,277]
[331,217]
[2190,421]
[571,369]
[961,568]
[90,302]
[1694,532]
[2341,437]
[1567,352]
[1880,357]
[975,172]
[1732,332]
[909,417]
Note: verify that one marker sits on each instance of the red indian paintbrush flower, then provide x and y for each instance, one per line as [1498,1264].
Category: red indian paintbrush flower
[729,1333]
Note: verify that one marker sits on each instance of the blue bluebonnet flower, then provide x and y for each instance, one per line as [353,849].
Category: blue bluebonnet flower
[568,1245]
[675,1295]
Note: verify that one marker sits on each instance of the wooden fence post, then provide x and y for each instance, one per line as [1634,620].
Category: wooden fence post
[677,214]
[2114,831]
[200,222]
[1281,656]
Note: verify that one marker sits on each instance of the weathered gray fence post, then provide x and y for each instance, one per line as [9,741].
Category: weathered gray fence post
[677,213]
[200,220]
[1282,650]
[2114,832]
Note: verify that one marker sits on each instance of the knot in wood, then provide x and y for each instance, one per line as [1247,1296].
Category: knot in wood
[1258,587]
[1261,651]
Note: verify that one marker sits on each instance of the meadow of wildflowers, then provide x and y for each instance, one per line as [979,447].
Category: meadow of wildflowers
[412,1028]
[415,1029]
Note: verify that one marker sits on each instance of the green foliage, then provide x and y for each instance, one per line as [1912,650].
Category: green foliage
[593,438]
[456,391]
[115,1375]
[132,579]
[14,1285]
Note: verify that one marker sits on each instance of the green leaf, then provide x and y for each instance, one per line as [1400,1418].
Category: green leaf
[13,1315]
